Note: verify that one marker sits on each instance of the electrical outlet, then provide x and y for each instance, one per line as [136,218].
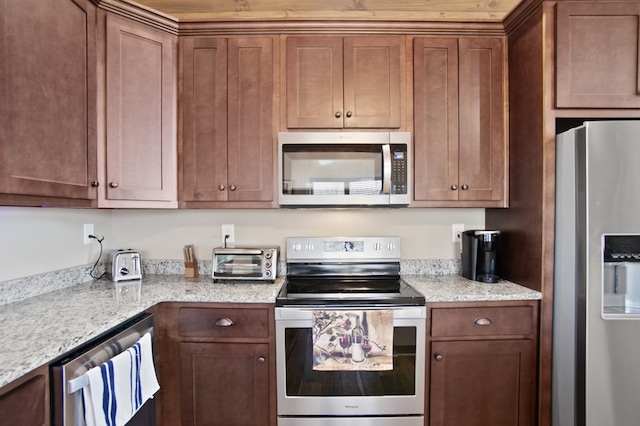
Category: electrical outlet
[87,230]
[456,232]
[228,230]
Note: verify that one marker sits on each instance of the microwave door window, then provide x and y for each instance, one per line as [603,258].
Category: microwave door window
[332,170]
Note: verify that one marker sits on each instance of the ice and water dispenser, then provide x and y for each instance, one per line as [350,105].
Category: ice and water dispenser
[621,276]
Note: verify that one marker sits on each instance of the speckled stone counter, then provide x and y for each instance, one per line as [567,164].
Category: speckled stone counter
[455,288]
[39,329]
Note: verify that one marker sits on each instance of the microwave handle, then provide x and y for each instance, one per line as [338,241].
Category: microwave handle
[386,169]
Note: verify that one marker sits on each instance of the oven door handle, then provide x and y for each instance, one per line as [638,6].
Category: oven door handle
[386,169]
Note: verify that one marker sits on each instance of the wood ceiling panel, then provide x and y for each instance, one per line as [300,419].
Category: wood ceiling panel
[397,10]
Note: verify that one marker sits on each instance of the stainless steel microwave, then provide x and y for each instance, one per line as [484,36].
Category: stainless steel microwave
[344,168]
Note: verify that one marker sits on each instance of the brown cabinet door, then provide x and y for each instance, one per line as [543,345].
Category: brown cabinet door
[204,127]
[459,120]
[250,134]
[598,55]
[227,136]
[436,118]
[481,167]
[25,402]
[314,73]
[372,81]
[48,90]
[140,113]
[225,384]
[479,383]
[344,82]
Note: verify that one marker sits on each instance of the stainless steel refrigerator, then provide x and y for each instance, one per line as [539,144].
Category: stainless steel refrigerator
[596,332]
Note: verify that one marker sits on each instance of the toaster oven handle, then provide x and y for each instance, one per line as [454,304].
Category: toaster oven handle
[386,168]
[237,251]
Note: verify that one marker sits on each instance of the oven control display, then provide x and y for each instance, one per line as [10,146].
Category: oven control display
[342,246]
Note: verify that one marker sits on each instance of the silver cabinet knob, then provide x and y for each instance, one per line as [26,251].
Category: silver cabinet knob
[454,187]
[482,321]
[113,184]
[438,357]
[224,322]
[465,187]
[221,187]
[349,114]
[232,187]
[95,184]
[338,114]
[262,360]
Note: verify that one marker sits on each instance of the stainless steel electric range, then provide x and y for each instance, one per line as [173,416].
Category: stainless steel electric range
[350,335]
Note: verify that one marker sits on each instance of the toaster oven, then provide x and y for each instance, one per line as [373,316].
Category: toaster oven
[245,263]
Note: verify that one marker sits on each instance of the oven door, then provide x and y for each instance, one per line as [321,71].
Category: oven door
[303,391]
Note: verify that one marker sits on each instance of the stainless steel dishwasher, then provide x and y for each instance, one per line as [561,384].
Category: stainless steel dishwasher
[67,372]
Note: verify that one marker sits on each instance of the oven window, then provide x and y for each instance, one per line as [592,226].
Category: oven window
[302,380]
[332,169]
[233,264]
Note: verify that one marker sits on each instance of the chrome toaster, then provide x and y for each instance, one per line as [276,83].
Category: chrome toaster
[125,265]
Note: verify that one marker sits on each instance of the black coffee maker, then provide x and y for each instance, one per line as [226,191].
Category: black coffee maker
[479,255]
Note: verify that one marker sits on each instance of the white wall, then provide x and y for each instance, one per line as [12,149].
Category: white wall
[35,240]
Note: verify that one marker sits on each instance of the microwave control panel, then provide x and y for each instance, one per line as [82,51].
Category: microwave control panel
[399,169]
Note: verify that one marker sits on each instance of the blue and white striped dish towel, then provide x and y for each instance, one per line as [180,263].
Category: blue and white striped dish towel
[119,387]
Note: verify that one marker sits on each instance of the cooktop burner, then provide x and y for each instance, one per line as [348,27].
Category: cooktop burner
[345,271]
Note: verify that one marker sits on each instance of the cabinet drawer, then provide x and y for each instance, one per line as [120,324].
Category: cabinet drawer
[221,322]
[457,322]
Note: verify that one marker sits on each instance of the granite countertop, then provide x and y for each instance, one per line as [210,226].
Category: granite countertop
[39,329]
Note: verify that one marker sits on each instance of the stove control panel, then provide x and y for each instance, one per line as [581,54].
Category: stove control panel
[343,249]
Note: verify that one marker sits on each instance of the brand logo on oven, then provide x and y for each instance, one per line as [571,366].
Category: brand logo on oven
[351,406]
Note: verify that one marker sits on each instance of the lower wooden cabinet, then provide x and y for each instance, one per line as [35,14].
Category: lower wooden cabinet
[25,401]
[225,383]
[482,364]
[217,364]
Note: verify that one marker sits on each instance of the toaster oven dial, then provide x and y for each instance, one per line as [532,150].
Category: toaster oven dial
[268,255]
[267,264]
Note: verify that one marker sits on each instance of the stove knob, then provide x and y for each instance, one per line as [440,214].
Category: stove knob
[296,246]
[377,246]
[390,246]
[310,247]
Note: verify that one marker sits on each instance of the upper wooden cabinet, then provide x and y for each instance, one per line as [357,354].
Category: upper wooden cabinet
[459,108]
[47,102]
[227,139]
[139,150]
[344,82]
[598,62]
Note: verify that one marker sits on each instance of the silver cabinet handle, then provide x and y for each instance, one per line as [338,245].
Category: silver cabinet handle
[454,187]
[438,357]
[338,114]
[349,114]
[113,184]
[232,187]
[261,359]
[482,321]
[221,187]
[224,322]
[95,184]
[465,187]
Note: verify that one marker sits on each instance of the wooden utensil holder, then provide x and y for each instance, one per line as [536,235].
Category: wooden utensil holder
[191,269]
